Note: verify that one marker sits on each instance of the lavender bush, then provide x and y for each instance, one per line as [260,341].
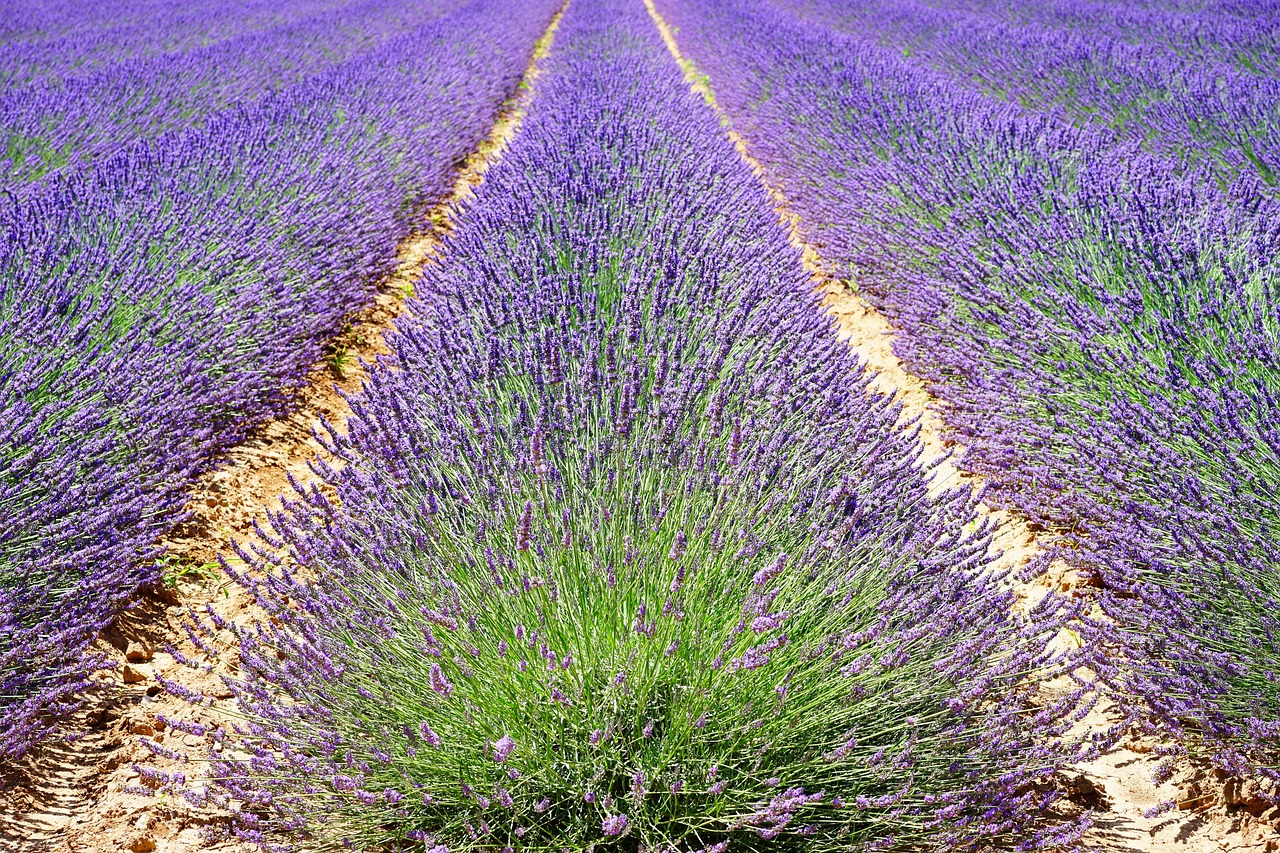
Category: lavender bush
[1100,316]
[626,553]
[156,306]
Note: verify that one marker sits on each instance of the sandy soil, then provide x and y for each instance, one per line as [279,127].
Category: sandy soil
[1214,813]
[88,795]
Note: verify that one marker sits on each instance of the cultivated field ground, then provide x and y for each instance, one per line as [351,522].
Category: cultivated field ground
[639,425]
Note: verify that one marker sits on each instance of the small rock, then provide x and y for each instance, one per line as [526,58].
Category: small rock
[138,652]
[141,727]
[100,716]
[143,844]
[132,675]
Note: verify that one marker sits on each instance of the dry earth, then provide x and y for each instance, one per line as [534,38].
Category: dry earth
[80,796]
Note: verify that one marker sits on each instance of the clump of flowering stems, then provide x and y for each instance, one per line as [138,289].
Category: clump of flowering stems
[155,307]
[626,552]
[1102,323]
[76,116]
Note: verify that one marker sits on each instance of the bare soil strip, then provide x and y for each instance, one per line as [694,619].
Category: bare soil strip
[1117,785]
[82,796]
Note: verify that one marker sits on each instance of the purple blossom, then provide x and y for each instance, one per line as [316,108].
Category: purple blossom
[431,738]
[768,574]
[524,527]
[502,749]
[614,825]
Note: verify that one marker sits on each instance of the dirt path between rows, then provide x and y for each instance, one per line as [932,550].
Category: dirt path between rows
[88,796]
[1119,782]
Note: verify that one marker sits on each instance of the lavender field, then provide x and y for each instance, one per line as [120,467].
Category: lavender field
[759,425]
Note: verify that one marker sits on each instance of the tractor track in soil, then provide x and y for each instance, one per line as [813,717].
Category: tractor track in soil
[82,795]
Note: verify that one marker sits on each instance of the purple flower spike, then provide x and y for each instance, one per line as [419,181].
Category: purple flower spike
[431,738]
[766,575]
[524,527]
[439,682]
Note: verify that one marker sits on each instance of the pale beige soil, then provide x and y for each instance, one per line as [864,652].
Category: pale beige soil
[1214,814]
[75,797]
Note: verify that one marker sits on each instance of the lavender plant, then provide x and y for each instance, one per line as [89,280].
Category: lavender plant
[625,553]
[1101,321]
[156,306]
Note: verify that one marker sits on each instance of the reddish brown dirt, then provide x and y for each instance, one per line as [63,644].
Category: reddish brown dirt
[81,796]
[1215,814]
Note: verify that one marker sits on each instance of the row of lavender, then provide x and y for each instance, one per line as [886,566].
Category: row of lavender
[626,551]
[156,306]
[1201,87]
[72,117]
[1101,317]
[49,41]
